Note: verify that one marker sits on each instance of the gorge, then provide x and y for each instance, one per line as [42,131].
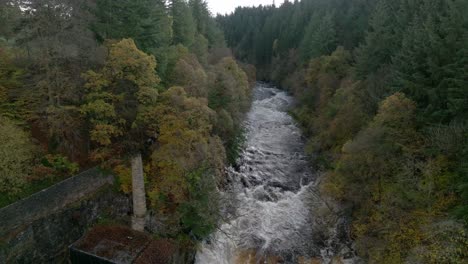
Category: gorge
[274,211]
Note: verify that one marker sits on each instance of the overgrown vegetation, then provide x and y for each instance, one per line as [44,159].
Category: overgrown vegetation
[96,81]
[383,94]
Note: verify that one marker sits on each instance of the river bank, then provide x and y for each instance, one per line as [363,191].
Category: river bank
[273,210]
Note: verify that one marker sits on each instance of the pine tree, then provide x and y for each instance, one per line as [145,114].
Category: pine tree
[184,26]
[381,40]
[145,21]
[320,37]
[430,66]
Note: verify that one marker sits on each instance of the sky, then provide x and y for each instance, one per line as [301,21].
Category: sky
[228,6]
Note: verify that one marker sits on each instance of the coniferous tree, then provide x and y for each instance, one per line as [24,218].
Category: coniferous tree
[59,47]
[145,21]
[184,26]
[319,38]
[381,41]
[429,66]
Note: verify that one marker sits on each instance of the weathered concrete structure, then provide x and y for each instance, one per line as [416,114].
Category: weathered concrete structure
[40,228]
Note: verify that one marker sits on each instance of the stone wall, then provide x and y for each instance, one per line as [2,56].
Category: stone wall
[40,228]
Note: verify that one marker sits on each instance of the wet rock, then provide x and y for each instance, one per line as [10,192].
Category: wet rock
[272,194]
[244,182]
[348,255]
[282,186]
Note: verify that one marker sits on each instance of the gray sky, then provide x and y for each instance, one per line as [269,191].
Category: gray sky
[227,6]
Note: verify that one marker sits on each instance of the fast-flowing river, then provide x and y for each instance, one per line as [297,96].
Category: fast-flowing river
[271,213]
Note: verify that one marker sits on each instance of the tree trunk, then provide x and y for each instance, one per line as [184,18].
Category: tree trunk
[139,195]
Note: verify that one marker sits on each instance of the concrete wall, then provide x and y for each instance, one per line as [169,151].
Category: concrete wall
[40,228]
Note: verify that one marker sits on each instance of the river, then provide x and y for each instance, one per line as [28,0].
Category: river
[273,212]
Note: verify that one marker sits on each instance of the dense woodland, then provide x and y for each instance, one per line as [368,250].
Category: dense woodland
[94,82]
[381,85]
[382,88]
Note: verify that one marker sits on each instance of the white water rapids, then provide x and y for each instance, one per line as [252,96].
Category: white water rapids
[271,198]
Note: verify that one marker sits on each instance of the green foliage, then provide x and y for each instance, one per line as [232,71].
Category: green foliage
[189,74]
[59,165]
[229,89]
[199,215]
[179,182]
[119,99]
[431,66]
[184,26]
[320,37]
[145,21]
[381,42]
[229,95]
[10,81]
[398,159]
[124,174]
[81,76]
[206,26]
[262,34]
[234,145]
[17,154]
[10,15]
[28,189]
[334,102]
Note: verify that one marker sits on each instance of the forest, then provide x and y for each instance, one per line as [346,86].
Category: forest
[382,90]
[98,82]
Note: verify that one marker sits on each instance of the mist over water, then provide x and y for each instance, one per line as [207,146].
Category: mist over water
[268,214]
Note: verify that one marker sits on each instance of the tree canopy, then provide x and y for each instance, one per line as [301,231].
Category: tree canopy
[99,82]
[381,89]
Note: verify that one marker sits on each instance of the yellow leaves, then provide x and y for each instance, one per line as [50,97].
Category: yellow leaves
[127,62]
[184,145]
[147,96]
[103,133]
[102,154]
[16,156]
[445,202]
[124,174]
[445,241]
[396,111]
[121,97]
[170,187]
[417,236]
[95,81]
[99,110]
